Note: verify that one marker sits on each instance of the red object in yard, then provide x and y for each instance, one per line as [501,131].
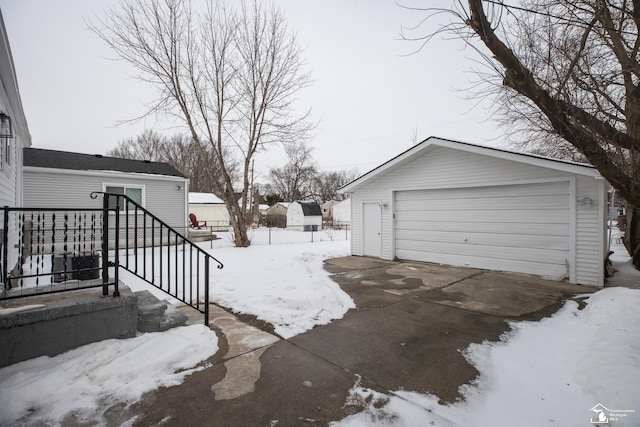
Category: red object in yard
[195,223]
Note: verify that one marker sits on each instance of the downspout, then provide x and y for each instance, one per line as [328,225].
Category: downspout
[611,206]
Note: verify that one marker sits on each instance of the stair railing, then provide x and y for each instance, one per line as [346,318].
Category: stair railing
[52,250]
[155,252]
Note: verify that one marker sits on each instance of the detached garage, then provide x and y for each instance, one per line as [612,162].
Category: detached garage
[465,205]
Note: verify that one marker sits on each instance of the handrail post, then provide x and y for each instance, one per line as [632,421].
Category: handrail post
[206,291]
[5,242]
[116,290]
[105,244]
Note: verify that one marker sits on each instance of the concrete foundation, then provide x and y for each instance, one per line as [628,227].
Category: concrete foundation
[57,323]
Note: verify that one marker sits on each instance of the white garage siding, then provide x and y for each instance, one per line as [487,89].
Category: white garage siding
[558,226]
[523,228]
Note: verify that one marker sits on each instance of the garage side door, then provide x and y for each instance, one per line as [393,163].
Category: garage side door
[519,228]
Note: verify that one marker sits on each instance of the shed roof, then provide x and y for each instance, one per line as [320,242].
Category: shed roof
[310,208]
[429,143]
[205,199]
[38,157]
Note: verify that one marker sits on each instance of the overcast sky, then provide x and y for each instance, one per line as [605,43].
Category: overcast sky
[368,96]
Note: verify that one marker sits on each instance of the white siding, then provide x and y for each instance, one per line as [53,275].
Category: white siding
[447,168]
[342,212]
[11,173]
[590,232]
[295,217]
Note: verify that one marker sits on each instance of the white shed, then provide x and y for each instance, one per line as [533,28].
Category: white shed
[465,205]
[304,216]
[209,208]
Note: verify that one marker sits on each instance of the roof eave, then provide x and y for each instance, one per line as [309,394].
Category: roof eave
[560,165]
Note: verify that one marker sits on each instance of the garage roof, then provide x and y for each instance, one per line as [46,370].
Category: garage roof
[431,142]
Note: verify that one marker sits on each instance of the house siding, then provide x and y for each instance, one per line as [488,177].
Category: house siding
[66,188]
[443,167]
[11,174]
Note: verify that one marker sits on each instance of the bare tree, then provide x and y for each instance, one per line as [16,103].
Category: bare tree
[567,71]
[294,180]
[180,151]
[327,184]
[229,74]
[149,145]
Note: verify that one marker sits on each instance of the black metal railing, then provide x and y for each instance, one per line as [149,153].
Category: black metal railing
[63,249]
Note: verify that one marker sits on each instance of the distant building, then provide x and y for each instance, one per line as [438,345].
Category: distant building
[342,213]
[304,216]
[211,209]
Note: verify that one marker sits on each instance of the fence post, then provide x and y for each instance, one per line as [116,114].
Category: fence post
[5,241]
[206,291]
[116,290]
[105,244]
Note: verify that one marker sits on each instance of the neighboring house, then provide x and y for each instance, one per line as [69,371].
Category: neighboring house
[276,215]
[16,136]
[342,213]
[461,204]
[304,216]
[59,179]
[209,208]
[327,213]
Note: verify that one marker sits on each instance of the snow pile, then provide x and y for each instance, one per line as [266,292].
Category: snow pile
[550,372]
[88,380]
[283,284]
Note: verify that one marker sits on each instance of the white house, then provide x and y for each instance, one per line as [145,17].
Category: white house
[461,204]
[60,179]
[342,212]
[304,216]
[209,208]
[14,136]
[327,212]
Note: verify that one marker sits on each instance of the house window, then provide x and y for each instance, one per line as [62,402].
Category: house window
[134,192]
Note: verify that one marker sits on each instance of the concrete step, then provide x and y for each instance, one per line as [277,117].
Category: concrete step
[155,315]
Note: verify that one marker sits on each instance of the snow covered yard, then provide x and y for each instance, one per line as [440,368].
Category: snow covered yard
[284,284]
[551,372]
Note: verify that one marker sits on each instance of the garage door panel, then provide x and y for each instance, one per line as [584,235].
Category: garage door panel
[487,216]
[523,228]
[560,201]
[513,191]
[553,256]
[489,239]
[518,266]
[508,228]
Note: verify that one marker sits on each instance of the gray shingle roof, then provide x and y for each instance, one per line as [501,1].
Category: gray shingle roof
[310,208]
[39,157]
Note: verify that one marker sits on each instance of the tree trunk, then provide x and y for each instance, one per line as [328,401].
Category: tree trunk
[632,234]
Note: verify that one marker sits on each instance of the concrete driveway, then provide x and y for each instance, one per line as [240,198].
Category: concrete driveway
[411,323]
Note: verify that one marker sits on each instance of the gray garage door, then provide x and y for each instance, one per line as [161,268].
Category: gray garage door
[519,228]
